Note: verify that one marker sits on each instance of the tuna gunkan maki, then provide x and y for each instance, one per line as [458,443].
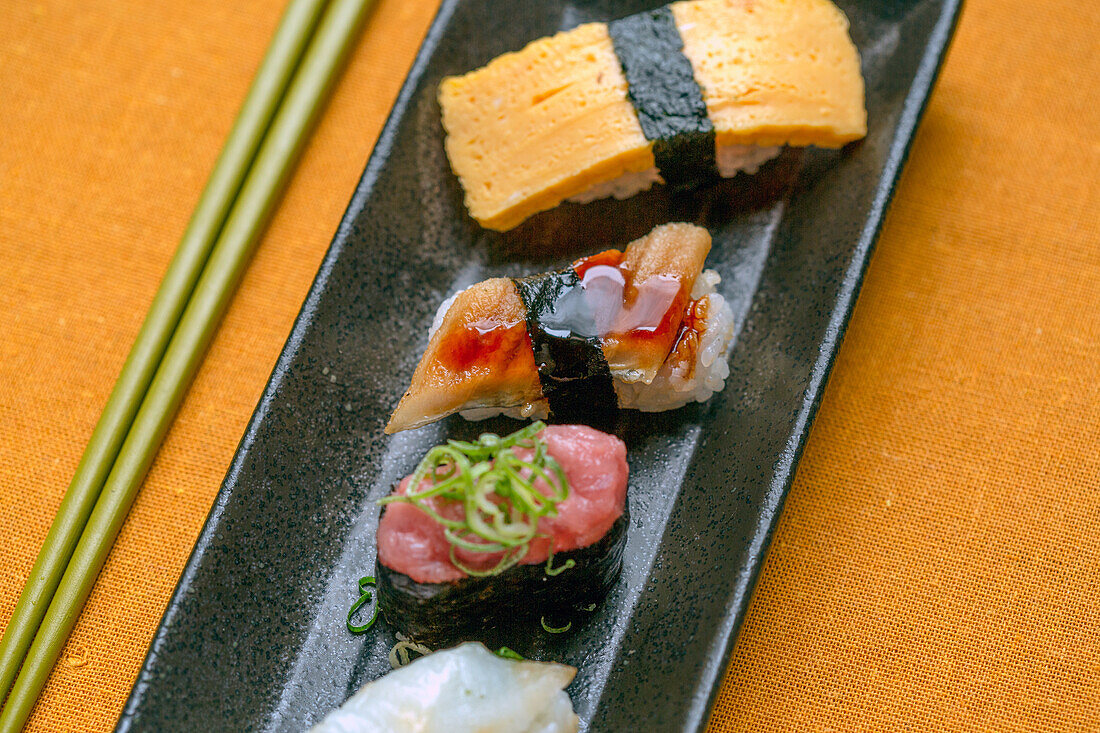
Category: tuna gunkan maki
[482,533]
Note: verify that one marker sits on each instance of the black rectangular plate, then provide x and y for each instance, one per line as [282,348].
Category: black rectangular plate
[254,636]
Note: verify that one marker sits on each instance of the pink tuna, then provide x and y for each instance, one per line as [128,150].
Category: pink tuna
[411,542]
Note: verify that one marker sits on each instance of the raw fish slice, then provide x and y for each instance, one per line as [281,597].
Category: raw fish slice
[467,689]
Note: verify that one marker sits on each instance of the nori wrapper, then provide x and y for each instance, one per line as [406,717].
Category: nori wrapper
[666,97]
[502,609]
[573,371]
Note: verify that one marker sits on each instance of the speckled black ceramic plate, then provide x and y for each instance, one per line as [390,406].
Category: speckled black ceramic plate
[254,637]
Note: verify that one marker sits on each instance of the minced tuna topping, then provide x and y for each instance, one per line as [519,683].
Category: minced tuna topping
[594,463]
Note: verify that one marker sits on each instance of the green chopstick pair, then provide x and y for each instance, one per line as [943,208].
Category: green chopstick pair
[307,51]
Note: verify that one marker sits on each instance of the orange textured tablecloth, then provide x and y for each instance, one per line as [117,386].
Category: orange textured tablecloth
[937,565]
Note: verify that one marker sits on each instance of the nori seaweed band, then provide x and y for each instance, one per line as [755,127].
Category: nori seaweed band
[502,609]
[669,103]
[573,371]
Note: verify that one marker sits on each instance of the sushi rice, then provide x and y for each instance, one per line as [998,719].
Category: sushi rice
[679,384]
[675,384]
[731,160]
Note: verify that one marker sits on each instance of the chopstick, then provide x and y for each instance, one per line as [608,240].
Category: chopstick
[255,201]
[275,72]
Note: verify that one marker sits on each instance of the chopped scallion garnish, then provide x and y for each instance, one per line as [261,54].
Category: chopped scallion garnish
[552,571]
[496,486]
[509,654]
[365,584]
[552,630]
[399,655]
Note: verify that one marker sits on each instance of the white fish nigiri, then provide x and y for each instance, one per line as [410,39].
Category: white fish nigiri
[467,689]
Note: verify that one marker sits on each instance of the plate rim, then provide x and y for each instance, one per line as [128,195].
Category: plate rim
[913,109]
[915,105]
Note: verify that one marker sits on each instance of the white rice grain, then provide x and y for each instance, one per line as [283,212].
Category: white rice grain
[678,384]
[731,160]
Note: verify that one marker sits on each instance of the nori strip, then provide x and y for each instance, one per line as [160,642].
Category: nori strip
[573,371]
[488,608]
[668,100]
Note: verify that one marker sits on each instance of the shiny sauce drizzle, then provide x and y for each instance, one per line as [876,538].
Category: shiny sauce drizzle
[620,311]
[687,341]
[626,311]
[487,344]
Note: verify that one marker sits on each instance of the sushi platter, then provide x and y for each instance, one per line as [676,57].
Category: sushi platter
[535,423]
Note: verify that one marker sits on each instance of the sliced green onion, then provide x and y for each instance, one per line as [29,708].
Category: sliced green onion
[509,654]
[399,655]
[552,571]
[552,630]
[509,560]
[497,491]
[589,607]
[365,584]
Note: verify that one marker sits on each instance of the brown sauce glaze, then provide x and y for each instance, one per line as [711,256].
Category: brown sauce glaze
[691,333]
[485,345]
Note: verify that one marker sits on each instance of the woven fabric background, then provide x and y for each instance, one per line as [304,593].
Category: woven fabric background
[937,565]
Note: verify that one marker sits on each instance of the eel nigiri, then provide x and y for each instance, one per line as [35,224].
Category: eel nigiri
[530,524]
[641,329]
[467,689]
[678,95]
